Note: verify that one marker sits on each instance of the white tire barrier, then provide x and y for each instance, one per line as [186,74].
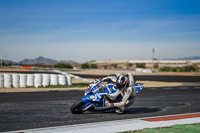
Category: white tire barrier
[22,80]
[72,76]
[144,70]
[69,80]
[1,80]
[62,79]
[7,80]
[38,80]
[45,80]
[30,80]
[54,79]
[15,80]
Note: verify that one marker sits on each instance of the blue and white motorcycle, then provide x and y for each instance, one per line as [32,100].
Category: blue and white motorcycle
[93,97]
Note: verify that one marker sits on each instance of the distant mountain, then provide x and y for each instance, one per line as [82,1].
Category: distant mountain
[8,61]
[186,58]
[68,61]
[42,60]
[39,60]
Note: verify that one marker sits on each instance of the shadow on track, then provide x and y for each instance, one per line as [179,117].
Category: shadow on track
[141,110]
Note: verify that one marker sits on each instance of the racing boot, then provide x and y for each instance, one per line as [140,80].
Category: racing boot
[119,110]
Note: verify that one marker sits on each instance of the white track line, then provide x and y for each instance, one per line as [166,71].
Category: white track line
[112,126]
[167,88]
[196,87]
[152,88]
[183,88]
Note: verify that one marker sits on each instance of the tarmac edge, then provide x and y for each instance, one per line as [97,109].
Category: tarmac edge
[119,125]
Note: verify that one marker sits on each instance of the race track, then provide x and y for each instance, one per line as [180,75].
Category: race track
[44,109]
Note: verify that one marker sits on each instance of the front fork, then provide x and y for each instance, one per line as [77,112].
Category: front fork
[88,107]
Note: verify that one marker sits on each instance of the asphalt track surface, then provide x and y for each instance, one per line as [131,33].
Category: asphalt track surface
[45,109]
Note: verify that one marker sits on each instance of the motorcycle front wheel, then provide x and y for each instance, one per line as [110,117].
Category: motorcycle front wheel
[77,107]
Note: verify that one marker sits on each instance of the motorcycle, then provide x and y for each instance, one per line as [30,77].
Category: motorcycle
[93,97]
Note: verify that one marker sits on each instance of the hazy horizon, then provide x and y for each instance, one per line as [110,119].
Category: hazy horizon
[99,30]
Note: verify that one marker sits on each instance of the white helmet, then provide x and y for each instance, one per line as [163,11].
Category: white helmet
[122,81]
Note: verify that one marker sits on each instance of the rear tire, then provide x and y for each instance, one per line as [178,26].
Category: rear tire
[77,107]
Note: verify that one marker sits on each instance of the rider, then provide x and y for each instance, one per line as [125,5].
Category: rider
[124,88]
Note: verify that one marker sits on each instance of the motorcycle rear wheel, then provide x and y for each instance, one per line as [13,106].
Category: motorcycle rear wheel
[77,107]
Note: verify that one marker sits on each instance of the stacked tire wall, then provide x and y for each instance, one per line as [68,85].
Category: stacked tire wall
[33,80]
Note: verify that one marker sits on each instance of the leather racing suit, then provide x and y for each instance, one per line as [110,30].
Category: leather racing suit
[127,94]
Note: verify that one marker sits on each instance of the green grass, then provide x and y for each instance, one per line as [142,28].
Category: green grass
[189,128]
[66,86]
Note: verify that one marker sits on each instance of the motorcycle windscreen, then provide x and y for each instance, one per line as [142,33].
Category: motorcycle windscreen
[139,87]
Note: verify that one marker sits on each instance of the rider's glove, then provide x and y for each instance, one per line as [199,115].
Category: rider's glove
[109,104]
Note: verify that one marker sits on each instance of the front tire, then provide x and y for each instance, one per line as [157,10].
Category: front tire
[77,107]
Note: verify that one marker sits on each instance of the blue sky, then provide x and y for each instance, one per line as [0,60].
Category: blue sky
[84,30]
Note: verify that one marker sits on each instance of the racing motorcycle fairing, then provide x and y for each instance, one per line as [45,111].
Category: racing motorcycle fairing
[94,94]
[139,87]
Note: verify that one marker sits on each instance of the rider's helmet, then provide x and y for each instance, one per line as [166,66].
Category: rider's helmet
[122,81]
